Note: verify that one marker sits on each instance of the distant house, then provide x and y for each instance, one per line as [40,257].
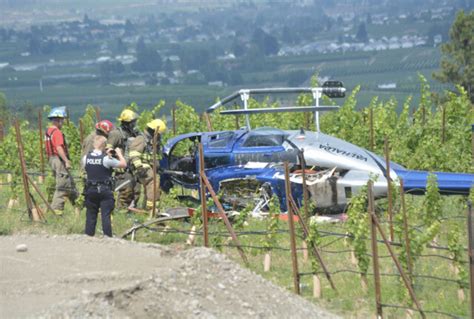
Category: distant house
[173,81]
[407,44]
[128,83]
[229,56]
[178,73]
[112,22]
[103,59]
[70,39]
[216,83]
[387,86]
[174,58]
[394,45]
[125,59]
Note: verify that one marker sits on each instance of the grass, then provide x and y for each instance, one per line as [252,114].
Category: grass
[351,300]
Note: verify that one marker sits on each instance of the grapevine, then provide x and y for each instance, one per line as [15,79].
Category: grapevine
[272,223]
[358,228]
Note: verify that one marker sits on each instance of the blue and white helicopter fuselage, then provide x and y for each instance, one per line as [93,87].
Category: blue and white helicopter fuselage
[240,164]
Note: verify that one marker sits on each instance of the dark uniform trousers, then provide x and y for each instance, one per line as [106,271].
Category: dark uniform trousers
[99,198]
[98,194]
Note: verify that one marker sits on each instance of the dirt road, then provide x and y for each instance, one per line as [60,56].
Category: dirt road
[80,277]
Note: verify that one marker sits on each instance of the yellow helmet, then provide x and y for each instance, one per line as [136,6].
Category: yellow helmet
[127,116]
[157,124]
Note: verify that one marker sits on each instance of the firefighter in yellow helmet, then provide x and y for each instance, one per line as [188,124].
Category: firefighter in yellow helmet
[122,137]
[126,130]
[141,159]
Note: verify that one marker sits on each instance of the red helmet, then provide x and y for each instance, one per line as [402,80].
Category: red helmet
[105,126]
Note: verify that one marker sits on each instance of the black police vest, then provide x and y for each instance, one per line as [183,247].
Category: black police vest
[95,169]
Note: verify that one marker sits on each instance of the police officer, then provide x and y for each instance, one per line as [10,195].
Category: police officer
[141,159]
[98,165]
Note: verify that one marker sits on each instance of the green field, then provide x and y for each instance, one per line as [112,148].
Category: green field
[367,69]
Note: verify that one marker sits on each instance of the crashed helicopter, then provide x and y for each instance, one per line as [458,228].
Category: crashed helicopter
[246,165]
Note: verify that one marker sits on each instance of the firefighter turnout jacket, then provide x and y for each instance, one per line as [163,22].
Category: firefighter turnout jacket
[141,163]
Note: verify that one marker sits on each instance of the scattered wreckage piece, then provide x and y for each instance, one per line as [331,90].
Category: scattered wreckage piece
[170,214]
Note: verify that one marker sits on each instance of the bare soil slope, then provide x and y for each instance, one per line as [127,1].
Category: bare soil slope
[81,277]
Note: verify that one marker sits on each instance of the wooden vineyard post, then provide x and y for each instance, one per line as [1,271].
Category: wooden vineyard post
[67,116]
[305,200]
[41,148]
[470,232]
[291,225]
[12,201]
[389,188]
[423,112]
[173,116]
[224,218]
[304,248]
[472,143]
[353,258]
[33,213]
[26,191]
[307,120]
[267,261]
[305,186]
[2,132]
[192,236]
[405,279]
[97,113]
[405,230]
[202,189]
[317,291]
[443,125]
[153,209]
[314,249]
[375,254]
[207,118]
[43,198]
[237,124]
[81,132]
[372,137]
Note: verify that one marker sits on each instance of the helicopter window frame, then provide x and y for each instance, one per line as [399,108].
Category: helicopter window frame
[265,137]
[220,140]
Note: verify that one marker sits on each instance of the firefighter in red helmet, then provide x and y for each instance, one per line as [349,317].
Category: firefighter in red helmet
[102,128]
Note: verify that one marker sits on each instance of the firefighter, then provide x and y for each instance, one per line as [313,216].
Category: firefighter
[121,138]
[58,157]
[141,159]
[98,165]
[103,128]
